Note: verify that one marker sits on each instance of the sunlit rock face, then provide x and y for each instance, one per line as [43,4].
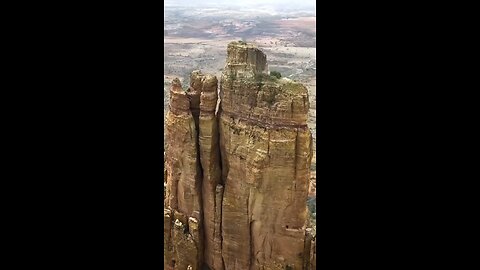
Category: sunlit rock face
[237,180]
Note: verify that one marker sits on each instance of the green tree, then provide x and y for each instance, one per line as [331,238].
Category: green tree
[276,74]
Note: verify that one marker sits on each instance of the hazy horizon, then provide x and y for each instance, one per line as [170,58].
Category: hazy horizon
[276,4]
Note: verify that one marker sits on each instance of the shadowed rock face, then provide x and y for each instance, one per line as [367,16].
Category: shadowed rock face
[237,181]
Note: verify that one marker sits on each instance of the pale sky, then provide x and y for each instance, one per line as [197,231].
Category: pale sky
[245,3]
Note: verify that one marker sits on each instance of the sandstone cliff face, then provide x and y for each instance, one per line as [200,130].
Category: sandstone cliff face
[266,155]
[237,181]
[183,194]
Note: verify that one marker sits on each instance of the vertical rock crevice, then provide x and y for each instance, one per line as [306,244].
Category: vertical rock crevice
[238,180]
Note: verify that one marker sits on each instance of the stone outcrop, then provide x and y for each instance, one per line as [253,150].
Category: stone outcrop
[237,180]
[183,187]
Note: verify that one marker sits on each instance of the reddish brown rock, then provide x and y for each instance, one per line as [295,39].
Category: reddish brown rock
[167,239]
[217,239]
[266,154]
[184,190]
[309,250]
[237,181]
[182,164]
[186,243]
[210,162]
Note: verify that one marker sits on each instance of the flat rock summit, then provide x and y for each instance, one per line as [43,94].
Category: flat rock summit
[237,169]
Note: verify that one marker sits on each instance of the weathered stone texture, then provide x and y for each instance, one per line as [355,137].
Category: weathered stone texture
[183,168]
[184,191]
[266,155]
[238,180]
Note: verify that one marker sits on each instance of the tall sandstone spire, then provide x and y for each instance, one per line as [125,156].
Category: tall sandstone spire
[237,180]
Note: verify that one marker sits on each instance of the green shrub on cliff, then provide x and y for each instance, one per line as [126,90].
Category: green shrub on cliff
[276,74]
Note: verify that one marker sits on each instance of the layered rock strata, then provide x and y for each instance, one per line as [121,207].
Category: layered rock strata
[266,154]
[183,188]
[237,180]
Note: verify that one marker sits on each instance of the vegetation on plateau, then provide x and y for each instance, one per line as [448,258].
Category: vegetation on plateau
[276,74]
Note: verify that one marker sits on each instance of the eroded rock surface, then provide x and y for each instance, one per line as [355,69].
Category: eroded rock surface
[266,154]
[183,187]
[238,180]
